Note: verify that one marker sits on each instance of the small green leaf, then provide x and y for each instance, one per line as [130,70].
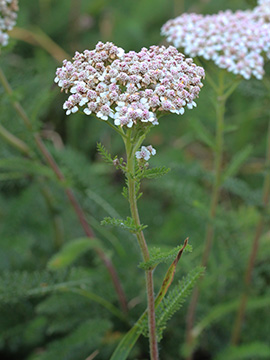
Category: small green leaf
[175,299]
[125,192]
[71,252]
[157,257]
[127,224]
[106,156]
[236,162]
[155,173]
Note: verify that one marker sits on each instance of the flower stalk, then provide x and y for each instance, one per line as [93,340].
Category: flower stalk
[131,148]
[210,228]
[132,89]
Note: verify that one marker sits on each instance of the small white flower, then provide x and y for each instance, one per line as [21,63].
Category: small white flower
[151,149]
[83,101]
[87,111]
[120,52]
[117,121]
[102,116]
[130,124]
[143,100]
[74,109]
[144,154]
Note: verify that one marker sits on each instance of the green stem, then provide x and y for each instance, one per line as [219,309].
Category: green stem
[130,150]
[119,130]
[236,333]
[220,111]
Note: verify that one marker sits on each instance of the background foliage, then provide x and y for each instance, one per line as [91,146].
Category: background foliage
[43,314]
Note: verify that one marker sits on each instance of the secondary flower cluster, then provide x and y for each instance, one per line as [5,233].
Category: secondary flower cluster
[131,87]
[8,18]
[145,152]
[234,41]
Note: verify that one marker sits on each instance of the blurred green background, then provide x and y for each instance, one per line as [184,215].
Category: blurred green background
[63,325]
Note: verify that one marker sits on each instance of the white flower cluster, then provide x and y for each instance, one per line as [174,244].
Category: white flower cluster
[262,11]
[145,152]
[8,16]
[131,87]
[234,41]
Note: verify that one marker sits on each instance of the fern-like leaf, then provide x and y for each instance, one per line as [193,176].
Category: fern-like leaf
[15,286]
[173,301]
[106,156]
[127,224]
[157,256]
[154,173]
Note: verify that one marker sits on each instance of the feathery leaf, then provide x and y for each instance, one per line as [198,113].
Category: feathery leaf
[127,224]
[157,257]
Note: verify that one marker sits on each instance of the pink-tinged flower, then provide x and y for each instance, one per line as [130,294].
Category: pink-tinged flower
[237,42]
[130,88]
[8,16]
[262,11]
[145,153]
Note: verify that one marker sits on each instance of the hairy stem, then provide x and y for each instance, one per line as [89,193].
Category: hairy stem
[69,192]
[236,333]
[130,150]
[210,230]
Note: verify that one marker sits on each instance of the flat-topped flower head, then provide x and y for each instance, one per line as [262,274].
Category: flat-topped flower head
[236,41]
[130,88]
[8,16]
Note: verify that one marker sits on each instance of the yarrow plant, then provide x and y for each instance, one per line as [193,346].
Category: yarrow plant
[130,92]
[236,41]
[8,16]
